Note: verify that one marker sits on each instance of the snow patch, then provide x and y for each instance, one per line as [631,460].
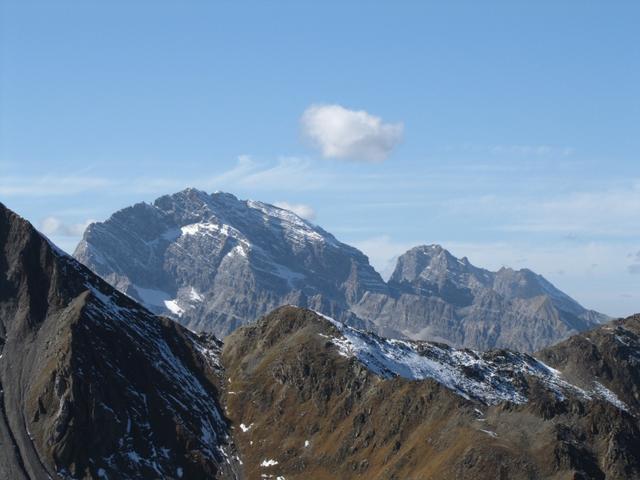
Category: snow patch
[150,296]
[609,396]
[196,228]
[173,307]
[194,295]
[490,377]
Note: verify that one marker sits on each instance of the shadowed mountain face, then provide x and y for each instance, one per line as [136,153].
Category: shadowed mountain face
[313,398]
[214,262]
[91,384]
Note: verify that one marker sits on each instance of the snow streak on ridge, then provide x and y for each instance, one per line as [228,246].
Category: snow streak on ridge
[489,377]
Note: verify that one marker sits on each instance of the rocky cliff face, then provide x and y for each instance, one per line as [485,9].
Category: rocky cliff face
[94,386]
[313,398]
[214,262]
[434,295]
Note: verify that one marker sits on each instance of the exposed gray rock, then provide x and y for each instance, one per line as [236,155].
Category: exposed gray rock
[214,262]
[434,295]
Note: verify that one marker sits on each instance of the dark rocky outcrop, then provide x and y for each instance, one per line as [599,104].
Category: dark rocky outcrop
[610,354]
[91,384]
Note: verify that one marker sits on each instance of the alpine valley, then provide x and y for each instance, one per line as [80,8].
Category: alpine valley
[214,263]
[94,385]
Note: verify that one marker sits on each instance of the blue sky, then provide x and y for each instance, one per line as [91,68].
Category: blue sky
[507,131]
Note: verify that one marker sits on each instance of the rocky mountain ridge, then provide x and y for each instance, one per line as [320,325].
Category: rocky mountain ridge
[214,262]
[313,398]
[92,385]
[434,295]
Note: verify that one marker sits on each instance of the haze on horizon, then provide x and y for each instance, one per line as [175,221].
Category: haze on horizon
[508,133]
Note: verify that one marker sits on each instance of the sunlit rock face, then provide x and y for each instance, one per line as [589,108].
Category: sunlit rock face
[214,262]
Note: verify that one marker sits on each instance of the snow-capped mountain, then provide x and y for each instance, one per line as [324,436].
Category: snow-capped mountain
[215,262]
[92,385]
[337,402]
[488,377]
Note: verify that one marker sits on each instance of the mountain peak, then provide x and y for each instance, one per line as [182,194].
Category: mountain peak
[427,262]
[215,262]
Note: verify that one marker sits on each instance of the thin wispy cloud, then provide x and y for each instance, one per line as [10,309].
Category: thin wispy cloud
[289,173]
[54,226]
[605,212]
[611,211]
[350,134]
[285,173]
[532,150]
[634,268]
[51,185]
[299,174]
[302,210]
[517,150]
[244,167]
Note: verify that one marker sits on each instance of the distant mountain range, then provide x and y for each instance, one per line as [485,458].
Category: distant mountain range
[214,263]
[94,386]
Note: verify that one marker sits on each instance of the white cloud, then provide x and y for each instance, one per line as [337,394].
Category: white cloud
[53,226]
[350,134]
[383,252]
[300,209]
